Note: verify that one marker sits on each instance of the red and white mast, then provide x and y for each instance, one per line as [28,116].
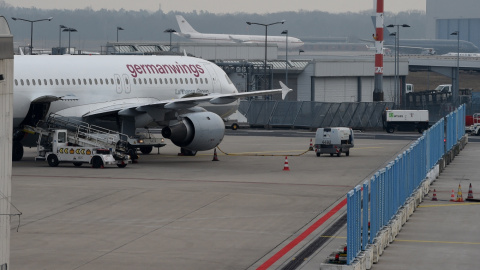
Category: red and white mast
[378,87]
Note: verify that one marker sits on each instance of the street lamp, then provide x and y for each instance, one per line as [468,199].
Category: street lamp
[397,64]
[455,91]
[119,29]
[394,34]
[285,32]
[170,31]
[266,34]
[31,28]
[60,36]
[69,30]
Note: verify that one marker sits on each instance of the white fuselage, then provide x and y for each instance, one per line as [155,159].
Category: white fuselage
[293,43]
[97,82]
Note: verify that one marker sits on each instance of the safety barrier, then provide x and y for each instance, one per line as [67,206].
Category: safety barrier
[393,186]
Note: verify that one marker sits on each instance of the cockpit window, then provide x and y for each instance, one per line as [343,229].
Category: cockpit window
[228,79]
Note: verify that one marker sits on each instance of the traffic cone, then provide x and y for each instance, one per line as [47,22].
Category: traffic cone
[459,194]
[310,148]
[470,192]
[215,158]
[434,198]
[452,197]
[285,166]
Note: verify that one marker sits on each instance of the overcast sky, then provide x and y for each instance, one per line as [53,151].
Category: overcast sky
[223,6]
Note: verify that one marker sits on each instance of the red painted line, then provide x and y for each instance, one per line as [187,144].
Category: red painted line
[302,236]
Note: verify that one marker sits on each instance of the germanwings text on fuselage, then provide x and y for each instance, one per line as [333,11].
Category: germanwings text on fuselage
[177,68]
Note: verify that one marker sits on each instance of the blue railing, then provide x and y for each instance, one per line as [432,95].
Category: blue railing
[391,186]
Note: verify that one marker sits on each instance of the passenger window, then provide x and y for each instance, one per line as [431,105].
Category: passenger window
[63,82]
[28,82]
[21,81]
[45,82]
[139,81]
[118,81]
[106,81]
[201,80]
[150,80]
[126,80]
[51,82]
[171,81]
[196,80]
[56,82]
[79,82]
[176,81]
[101,81]
[73,81]
[68,81]
[39,82]
[155,81]
[206,80]
[145,80]
[33,82]
[96,82]
[181,81]
[191,81]
[112,81]
[85,81]
[90,81]
[16,82]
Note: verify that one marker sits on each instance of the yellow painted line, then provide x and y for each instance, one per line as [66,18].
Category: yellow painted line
[450,204]
[439,242]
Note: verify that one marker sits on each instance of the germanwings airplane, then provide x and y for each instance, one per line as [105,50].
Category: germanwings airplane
[188,97]
[187,31]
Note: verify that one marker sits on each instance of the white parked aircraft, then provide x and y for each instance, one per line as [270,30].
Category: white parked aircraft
[189,97]
[187,31]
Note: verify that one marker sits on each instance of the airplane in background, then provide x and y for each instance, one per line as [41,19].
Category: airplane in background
[188,97]
[425,46]
[187,31]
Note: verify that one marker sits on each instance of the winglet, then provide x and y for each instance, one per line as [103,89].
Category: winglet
[285,90]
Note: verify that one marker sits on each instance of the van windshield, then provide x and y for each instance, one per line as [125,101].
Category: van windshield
[440,87]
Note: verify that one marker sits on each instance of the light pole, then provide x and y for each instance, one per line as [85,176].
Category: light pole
[170,31]
[119,29]
[60,37]
[31,28]
[266,34]
[69,30]
[395,63]
[397,56]
[285,32]
[456,90]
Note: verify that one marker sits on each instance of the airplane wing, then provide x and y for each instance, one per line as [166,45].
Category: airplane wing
[141,105]
[236,40]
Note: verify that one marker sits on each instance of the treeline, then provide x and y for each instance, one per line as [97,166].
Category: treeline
[96,28]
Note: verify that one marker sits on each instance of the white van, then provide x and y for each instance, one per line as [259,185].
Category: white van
[408,88]
[335,140]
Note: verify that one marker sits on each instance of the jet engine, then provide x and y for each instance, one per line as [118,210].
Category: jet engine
[198,131]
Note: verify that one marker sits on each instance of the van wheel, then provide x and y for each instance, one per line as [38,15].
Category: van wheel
[77,164]
[318,154]
[347,153]
[121,165]
[331,154]
[97,162]
[338,154]
[146,149]
[234,126]
[390,129]
[52,160]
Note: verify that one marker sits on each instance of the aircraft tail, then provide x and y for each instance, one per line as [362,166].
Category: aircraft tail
[386,33]
[185,27]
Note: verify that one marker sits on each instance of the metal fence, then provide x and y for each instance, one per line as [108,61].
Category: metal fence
[391,187]
[307,114]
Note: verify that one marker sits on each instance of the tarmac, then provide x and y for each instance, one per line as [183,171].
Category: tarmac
[441,234]
[172,212]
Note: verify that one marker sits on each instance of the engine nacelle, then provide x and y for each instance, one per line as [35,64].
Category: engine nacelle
[198,131]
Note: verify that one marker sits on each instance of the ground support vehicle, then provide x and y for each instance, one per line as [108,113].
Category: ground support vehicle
[405,120]
[473,124]
[333,141]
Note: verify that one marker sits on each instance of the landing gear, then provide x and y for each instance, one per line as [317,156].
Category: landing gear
[17,151]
